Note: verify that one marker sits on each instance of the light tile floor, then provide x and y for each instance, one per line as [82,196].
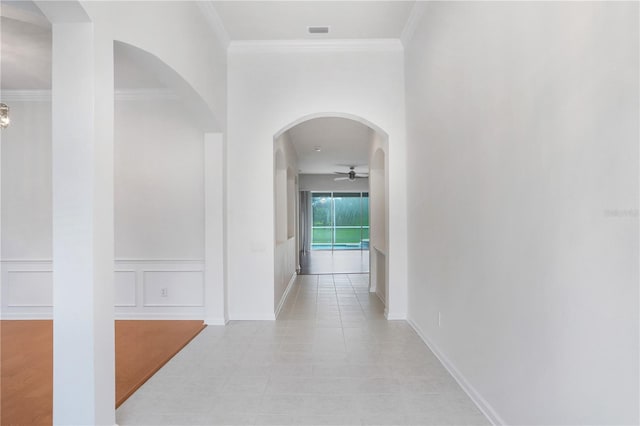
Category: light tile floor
[330,359]
[335,262]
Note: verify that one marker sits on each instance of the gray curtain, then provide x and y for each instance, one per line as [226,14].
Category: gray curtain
[305,221]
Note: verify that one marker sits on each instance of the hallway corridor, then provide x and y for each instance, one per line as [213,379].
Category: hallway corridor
[331,358]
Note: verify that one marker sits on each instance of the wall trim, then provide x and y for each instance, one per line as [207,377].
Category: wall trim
[153,94]
[135,260]
[171,305]
[26,316]
[135,287]
[336,45]
[213,19]
[412,22]
[145,95]
[395,316]
[26,95]
[185,305]
[482,404]
[216,321]
[157,316]
[283,299]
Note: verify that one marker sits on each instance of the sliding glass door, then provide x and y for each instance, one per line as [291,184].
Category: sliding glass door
[340,220]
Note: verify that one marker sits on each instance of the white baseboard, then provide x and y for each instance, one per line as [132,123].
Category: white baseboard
[157,316]
[216,321]
[473,394]
[394,316]
[26,316]
[283,299]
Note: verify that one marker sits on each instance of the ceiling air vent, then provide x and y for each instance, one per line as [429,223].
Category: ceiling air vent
[318,30]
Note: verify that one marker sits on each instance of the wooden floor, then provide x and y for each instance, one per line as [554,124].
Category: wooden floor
[26,363]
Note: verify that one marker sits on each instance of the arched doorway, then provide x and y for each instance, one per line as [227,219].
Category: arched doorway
[293,200]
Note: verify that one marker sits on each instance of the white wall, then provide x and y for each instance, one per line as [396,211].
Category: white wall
[26,180]
[159,210]
[176,32]
[523,199]
[26,273]
[286,218]
[327,183]
[379,213]
[272,86]
[159,177]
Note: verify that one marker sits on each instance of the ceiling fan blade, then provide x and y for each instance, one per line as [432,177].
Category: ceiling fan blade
[341,173]
[341,178]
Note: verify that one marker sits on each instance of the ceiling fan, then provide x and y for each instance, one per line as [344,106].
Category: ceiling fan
[351,175]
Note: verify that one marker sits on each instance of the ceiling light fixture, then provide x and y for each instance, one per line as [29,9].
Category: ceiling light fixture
[317,149]
[318,30]
[4,116]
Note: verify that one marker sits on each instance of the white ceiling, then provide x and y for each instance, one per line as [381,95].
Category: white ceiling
[342,143]
[288,20]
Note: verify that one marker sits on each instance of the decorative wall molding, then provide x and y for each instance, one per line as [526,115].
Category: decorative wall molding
[27,289]
[153,94]
[25,95]
[412,22]
[475,396]
[296,46]
[125,288]
[214,21]
[159,316]
[184,288]
[122,260]
[146,95]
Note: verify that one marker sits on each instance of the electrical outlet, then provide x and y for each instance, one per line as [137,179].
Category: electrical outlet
[439,319]
[164,292]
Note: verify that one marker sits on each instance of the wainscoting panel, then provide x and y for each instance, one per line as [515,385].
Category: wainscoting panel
[173,288]
[29,289]
[143,289]
[125,288]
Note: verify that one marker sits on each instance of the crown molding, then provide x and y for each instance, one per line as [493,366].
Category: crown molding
[412,22]
[328,45]
[145,95]
[120,95]
[25,96]
[215,22]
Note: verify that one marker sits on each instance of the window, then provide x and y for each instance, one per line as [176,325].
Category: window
[340,220]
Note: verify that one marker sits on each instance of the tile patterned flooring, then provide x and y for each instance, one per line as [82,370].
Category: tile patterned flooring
[330,359]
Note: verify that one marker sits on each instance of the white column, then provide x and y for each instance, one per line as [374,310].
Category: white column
[82,171]
[103,230]
[215,283]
